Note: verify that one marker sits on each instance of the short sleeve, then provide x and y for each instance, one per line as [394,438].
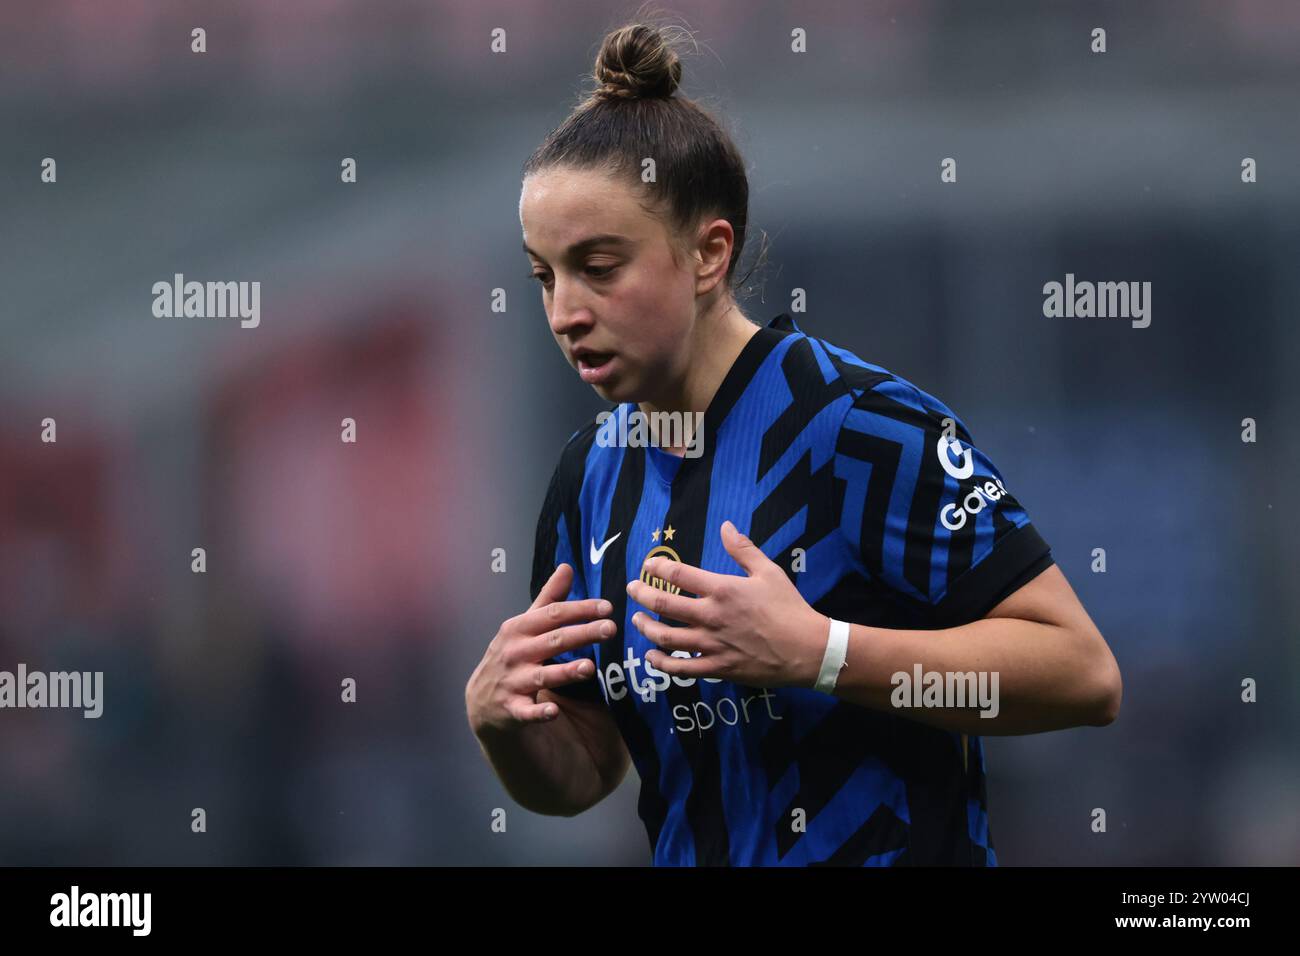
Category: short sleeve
[925,512]
[557,538]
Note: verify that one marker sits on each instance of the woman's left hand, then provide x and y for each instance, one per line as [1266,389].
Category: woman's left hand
[755,630]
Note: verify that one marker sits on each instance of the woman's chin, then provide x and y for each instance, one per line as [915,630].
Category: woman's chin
[616,389]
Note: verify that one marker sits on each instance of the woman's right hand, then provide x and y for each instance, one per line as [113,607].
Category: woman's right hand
[502,692]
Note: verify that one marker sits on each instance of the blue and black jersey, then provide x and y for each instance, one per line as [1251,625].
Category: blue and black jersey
[872,496]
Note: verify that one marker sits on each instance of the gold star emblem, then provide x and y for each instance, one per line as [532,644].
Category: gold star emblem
[654,535]
[668,533]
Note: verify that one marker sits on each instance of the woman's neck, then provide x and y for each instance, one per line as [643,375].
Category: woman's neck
[718,342]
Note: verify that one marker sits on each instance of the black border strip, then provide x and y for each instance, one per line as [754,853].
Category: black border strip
[1016,559]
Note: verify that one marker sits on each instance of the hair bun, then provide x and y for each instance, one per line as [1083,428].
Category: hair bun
[637,62]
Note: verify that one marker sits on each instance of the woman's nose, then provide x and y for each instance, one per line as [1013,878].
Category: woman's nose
[568,312]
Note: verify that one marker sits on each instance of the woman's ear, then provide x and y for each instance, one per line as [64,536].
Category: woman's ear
[713,251]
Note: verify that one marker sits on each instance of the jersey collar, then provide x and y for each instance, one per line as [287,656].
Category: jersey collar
[784,323]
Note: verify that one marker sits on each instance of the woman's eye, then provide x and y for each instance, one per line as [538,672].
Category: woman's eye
[595,272]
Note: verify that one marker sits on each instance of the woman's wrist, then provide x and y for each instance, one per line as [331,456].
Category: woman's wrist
[816,633]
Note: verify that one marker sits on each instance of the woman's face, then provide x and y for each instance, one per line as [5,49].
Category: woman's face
[618,305]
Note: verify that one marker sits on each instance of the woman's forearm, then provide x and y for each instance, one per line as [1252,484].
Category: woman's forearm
[545,767]
[1028,676]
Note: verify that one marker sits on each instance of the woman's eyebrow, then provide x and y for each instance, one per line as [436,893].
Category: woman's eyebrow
[582,245]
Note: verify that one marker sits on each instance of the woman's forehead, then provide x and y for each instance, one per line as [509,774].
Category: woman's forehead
[560,209]
[586,192]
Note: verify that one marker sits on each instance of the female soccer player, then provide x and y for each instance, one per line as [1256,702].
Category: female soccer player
[797,615]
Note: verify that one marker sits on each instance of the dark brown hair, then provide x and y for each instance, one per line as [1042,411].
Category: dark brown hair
[635,113]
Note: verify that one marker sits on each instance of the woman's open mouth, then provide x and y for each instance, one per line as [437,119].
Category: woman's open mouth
[595,367]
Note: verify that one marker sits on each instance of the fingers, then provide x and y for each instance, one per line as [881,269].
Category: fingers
[570,672]
[561,639]
[519,691]
[548,617]
[674,638]
[676,606]
[685,576]
[683,666]
[527,712]
[556,587]
[743,550]
[529,680]
[523,707]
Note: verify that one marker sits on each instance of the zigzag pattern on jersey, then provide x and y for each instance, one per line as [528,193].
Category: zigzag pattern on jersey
[801,485]
[830,752]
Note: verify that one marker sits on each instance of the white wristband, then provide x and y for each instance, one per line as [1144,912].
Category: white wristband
[837,650]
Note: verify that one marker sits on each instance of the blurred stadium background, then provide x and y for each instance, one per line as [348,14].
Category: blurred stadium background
[328,560]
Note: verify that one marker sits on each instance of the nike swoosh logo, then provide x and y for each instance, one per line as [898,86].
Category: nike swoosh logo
[597,555]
